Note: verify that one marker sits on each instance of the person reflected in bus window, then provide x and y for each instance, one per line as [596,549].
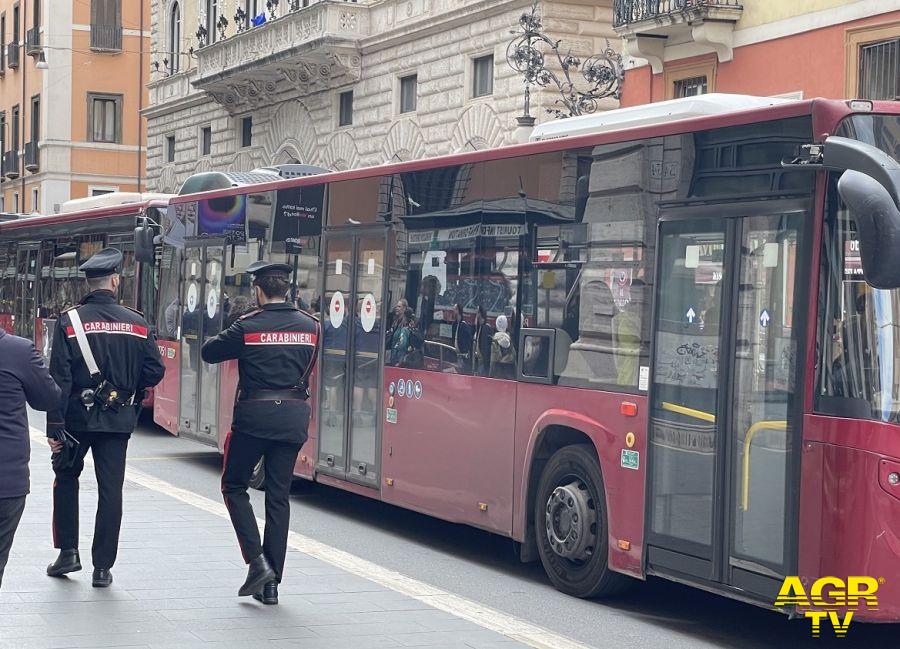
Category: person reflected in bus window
[171,317]
[366,378]
[481,343]
[237,307]
[627,335]
[398,317]
[399,343]
[503,352]
[713,312]
[462,340]
[431,288]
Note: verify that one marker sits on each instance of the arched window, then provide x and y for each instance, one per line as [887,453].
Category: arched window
[174,39]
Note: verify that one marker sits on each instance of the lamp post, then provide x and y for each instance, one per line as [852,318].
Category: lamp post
[527,54]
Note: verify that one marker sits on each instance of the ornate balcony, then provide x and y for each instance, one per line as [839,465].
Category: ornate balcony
[10,165]
[310,48]
[33,41]
[649,26]
[32,157]
[12,56]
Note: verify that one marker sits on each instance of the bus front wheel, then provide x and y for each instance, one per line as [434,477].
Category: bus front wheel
[570,525]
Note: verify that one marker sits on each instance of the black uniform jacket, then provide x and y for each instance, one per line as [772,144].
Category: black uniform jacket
[23,378]
[275,346]
[126,354]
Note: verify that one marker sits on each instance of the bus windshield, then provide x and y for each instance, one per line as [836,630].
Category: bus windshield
[859,326]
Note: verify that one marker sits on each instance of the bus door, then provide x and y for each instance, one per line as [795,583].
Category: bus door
[26,289]
[349,424]
[725,409]
[201,319]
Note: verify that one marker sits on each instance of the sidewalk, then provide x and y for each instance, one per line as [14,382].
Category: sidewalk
[176,584]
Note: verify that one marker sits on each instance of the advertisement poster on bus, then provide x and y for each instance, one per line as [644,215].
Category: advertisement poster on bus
[225,215]
[298,214]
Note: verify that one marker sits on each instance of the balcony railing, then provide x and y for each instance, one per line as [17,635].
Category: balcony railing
[12,55]
[32,157]
[33,41]
[626,12]
[10,165]
[106,38]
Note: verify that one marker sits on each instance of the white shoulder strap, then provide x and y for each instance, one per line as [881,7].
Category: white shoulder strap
[83,345]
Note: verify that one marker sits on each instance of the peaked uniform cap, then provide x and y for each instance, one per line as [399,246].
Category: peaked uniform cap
[264,268]
[106,262]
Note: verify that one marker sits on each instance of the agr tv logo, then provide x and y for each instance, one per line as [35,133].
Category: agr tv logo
[828,595]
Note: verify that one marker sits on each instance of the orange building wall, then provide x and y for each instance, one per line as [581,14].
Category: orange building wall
[813,62]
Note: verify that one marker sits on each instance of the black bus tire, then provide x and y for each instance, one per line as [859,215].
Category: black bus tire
[574,550]
[258,477]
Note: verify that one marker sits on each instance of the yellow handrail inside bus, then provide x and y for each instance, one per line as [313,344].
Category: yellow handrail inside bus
[689,412]
[748,440]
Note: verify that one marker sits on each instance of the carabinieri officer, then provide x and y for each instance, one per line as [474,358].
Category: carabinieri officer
[104,356]
[276,349]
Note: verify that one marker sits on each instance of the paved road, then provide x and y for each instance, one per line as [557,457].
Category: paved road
[483,568]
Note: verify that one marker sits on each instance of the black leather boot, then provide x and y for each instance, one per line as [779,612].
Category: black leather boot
[259,573]
[67,561]
[268,594]
[102,578]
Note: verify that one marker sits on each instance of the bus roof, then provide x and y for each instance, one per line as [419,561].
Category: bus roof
[648,114]
[826,114]
[26,223]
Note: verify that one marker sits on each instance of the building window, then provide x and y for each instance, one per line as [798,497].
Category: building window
[101,191]
[36,118]
[175,39]
[36,14]
[212,11]
[247,131]
[104,118]
[879,70]
[873,62]
[206,140]
[170,148]
[15,129]
[690,80]
[483,76]
[106,25]
[345,108]
[691,87]
[2,132]
[2,204]
[251,8]
[3,42]
[409,86]
[16,24]
[35,207]
[16,202]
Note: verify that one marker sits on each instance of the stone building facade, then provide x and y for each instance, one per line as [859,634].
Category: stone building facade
[421,75]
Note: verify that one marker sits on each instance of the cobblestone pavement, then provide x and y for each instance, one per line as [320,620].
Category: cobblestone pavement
[176,584]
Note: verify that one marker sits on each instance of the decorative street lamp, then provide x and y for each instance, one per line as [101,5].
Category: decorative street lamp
[272,6]
[222,24]
[240,19]
[603,73]
[201,35]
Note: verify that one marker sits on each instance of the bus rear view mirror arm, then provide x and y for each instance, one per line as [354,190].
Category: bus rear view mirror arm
[845,154]
[878,221]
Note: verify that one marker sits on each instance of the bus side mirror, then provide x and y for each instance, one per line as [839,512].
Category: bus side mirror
[878,220]
[143,244]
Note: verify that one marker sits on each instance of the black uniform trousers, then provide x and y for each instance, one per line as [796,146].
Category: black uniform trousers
[242,453]
[108,451]
[10,514]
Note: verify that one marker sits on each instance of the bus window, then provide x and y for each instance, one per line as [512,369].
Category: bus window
[7,287]
[167,315]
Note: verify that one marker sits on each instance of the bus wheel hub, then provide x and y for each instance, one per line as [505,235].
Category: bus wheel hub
[571,521]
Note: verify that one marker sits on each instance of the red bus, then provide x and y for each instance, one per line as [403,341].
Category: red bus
[650,342]
[40,255]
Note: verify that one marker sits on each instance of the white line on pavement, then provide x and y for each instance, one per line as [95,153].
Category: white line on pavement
[482,615]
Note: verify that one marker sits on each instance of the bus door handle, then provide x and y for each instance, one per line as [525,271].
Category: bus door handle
[329,460]
[748,440]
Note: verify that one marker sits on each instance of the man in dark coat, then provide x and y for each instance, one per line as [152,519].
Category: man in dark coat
[23,379]
[99,407]
[276,349]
